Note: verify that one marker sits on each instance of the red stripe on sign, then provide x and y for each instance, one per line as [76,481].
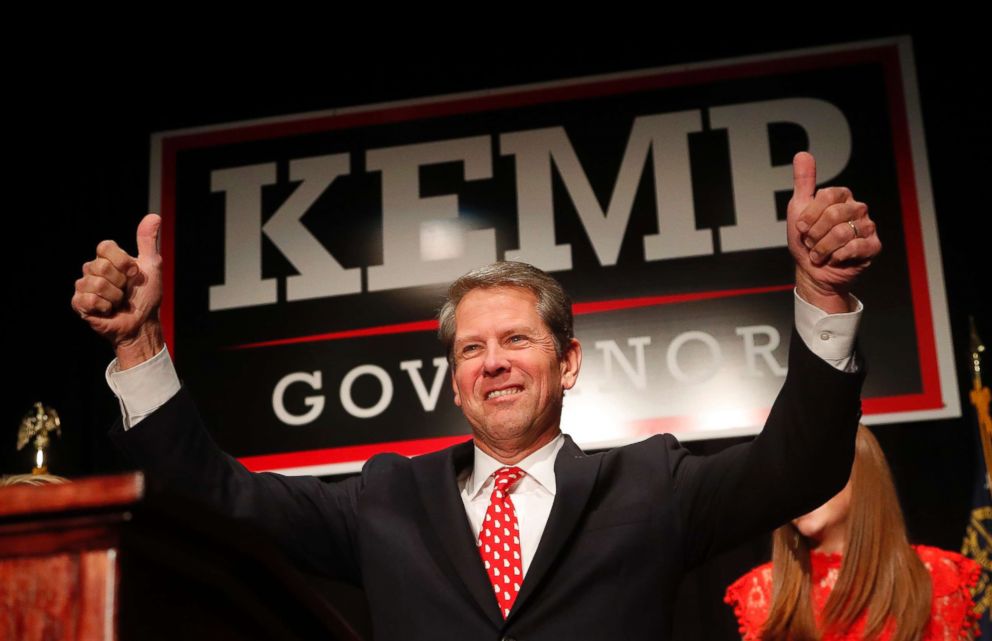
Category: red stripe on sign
[349,454]
[926,347]
[517,97]
[694,423]
[579,309]
[399,328]
[597,307]
[902,403]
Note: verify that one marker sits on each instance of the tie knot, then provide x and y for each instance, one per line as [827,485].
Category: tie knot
[507,477]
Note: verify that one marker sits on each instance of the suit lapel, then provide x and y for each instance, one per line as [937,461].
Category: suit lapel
[453,544]
[575,477]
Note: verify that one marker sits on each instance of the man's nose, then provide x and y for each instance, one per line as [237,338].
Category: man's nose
[496,361]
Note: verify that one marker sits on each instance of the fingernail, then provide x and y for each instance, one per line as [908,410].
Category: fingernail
[132,271]
[808,243]
[803,226]
[814,257]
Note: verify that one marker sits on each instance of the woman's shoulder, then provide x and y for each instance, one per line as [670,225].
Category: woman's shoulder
[953,576]
[950,571]
[751,598]
[757,579]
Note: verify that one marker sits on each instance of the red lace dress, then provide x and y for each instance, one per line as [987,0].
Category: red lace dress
[952,616]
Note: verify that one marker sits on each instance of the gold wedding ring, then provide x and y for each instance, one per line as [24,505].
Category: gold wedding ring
[854,228]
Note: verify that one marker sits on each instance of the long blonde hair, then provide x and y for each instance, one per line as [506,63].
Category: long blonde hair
[880,573]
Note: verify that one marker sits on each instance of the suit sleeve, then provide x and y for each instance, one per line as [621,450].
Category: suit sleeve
[802,457]
[315,522]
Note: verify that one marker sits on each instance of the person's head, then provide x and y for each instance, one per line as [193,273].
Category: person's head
[866,507]
[507,329]
[553,305]
[880,572]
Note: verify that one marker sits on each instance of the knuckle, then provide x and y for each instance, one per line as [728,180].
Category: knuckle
[105,247]
[838,213]
[98,286]
[832,194]
[98,267]
[83,301]
[107,270]
[820,224]
[100,303]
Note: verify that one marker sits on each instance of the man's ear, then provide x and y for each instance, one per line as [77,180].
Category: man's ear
[454,386]
[571,362]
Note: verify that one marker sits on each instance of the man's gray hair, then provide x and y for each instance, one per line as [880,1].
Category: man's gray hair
[553,304]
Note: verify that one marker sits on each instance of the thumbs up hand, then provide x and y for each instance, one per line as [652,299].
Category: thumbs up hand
[830,236]
[119,295]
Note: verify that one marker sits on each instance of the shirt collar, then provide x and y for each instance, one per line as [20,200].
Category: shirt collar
[539,466]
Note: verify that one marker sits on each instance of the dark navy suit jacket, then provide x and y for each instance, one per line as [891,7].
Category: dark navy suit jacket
[625,524]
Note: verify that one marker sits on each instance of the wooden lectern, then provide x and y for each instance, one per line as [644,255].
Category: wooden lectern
[102,559]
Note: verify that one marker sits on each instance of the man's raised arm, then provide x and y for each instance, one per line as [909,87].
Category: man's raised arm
[119,296]
[803,455]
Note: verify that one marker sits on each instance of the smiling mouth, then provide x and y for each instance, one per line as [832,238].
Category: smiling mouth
[503,392]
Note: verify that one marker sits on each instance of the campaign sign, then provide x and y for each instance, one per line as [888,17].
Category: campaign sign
[306,256]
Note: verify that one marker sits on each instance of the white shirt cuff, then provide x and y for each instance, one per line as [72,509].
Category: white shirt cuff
[143,388]
[829,336]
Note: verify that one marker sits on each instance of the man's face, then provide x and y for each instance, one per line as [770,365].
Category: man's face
[507,377]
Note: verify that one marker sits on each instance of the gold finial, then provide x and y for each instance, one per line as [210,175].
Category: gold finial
[38,424]
[977,347]
[980,398]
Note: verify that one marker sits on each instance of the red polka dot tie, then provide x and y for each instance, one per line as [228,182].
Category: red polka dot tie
[499,540]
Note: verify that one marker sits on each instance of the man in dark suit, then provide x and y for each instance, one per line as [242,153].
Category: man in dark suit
[517,533]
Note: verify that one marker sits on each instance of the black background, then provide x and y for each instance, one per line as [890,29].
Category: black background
[76,143]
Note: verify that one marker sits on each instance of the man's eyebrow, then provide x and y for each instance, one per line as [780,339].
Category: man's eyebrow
[509,331]
[521,329]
